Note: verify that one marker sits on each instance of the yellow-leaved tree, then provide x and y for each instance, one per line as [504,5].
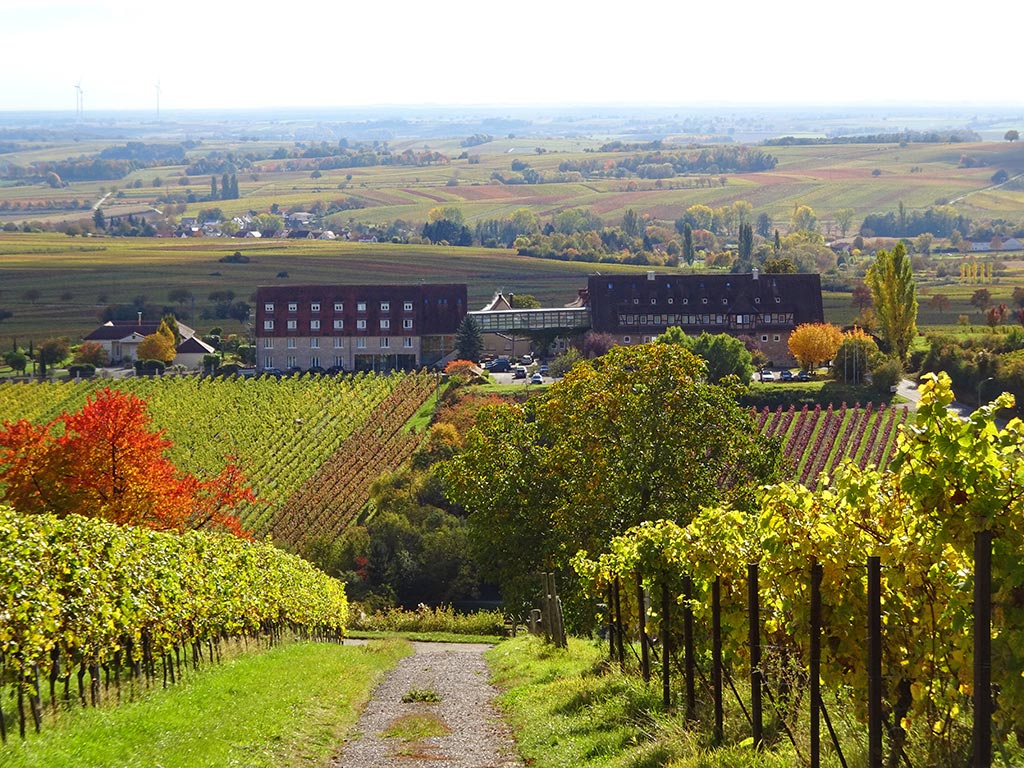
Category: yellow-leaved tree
[814,343]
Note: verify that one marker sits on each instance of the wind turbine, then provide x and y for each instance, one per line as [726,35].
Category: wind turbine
[79,103]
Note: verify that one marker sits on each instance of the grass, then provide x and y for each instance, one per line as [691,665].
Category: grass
[442,620]
[420,695]
[416,726]
[288,707]
[568,708]
[426,637]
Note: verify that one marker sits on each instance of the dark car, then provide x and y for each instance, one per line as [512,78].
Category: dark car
[519,372]
[803,376]
[787,375]
[276,372]
[499,366]
[293,371]
[334,370]
[316,370]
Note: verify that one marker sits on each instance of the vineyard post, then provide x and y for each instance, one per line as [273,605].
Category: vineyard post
[546,607]
[666,689]
[815,660]
[610,594]
[754,634]
[689,661]
[716,656]
[874,662]
[618,623]
[641,616]
[982,736]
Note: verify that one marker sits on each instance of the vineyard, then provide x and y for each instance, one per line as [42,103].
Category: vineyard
[279,431]
[83,597]
[815,441]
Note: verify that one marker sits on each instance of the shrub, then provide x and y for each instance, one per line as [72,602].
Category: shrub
[443,618]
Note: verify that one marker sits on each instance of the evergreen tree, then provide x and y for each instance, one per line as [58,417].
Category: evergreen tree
[469,341]
[225,187]
[688,243]
[213,188]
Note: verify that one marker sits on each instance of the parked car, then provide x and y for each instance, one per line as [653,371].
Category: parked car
[543,370]
[767,376]
[519,372]
[499,366]
[803,376]
[787,375]
[316,370]
[536,379]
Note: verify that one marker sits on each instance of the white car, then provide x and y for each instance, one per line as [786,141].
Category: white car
[767,376]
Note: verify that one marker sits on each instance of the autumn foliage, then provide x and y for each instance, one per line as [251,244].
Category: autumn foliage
[108,461]
[814,343]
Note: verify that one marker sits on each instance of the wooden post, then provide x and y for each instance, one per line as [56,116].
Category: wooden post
[982,736]
[666,648]
[874,663]
[754,635]
[618,624]
[641,613]
[716,657]
[689,661]
[545,607]
[611,622]
[815,745]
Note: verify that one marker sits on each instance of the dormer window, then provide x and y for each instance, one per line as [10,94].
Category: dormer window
[725,301]
[339,306]
[268,307]
[636,301]
[704,300]
[686,301]
[778,300]
[670,300]
[293,307]
[314,307]
[385,306]
[757,299]
[654,301]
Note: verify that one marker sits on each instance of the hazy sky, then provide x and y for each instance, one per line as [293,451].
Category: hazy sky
[223,53]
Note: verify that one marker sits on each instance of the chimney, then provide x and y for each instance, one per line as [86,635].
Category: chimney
[651,275]
[140,318]
[753,272]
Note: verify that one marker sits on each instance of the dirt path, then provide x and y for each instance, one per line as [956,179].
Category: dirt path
[476,736]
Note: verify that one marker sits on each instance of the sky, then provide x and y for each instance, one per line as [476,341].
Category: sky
[338,53]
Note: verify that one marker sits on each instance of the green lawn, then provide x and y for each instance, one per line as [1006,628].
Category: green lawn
[288,707]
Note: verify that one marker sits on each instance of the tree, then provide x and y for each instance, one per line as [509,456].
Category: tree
[844,216]
[939,302]
[524,301]
[804,219]
[5,314]
[98,221]
[861,297]
[764,225]
[855,356]
[723,354]
[213,188]
[982,299]
[688,253]
[16,360]
[107,461]
[469,341]
[895,299]
[91,353]
[635,435]
[1012,135]
[814,343]
[52,351]
[158,346]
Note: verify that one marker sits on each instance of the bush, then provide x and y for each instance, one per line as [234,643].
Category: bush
[81,371]
[426,619]
[886,375]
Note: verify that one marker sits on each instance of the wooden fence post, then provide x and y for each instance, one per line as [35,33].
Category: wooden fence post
[641,611]
[754,634]
[545,607]
[689,661]
[716,657]
[982,735]
[666,647]
[874,663]
[619,631]
[815,746]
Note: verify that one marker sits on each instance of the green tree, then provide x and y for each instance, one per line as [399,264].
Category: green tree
[764,225]
[1012,135]
[804,219]
[724,355]
[16,360]
[688,253]
[844,217]
[97,219]
[638,434]
[469,341]
[894,296]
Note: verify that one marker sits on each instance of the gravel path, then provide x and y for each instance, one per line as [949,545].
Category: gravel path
[457,673]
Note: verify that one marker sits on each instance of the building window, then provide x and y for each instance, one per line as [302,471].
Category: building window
[636,301]
[314,307]
[339,325]
[654,301]
[268,343]
[360,343]
[625,339]
[314,361]
[704,300]
[407,324]
[778,300]
[314,343]
[314,325]
[292,361]
[776,337]
[385,306]
[339,306]
[291,344]
[360,306]
[268,362]
[360,325]
[385,325]
[407,342]
[339,362]
[268,325]
[686,301]
[340,343]
[757,299]
[764,337]
[385,342]
[725,301]
[268,307]
[670,300]
[293,324]
[293,307]
[407,307]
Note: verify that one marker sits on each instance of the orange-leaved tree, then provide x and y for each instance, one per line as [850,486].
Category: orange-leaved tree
[814,343]
[109,461]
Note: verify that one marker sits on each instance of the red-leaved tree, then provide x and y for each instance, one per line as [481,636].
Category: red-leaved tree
[109,461]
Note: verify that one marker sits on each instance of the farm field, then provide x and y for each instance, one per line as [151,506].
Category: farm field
[282,433]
